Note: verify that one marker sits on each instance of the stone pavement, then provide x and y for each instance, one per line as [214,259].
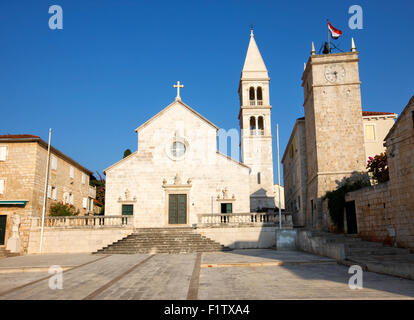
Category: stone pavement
[238,274]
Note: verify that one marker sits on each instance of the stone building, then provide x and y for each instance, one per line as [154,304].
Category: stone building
[177,173]
[334,139]
[295,173]
[376,127]
[23,160]
[385,212]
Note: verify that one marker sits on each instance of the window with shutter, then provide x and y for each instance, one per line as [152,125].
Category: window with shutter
[1,186]
[83,178]
[84,202]
[3,153]
[54,193]
[54,163]
[49,192]
[370,132]
[72,172]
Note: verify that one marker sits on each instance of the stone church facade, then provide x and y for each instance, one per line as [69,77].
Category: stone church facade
[177,172]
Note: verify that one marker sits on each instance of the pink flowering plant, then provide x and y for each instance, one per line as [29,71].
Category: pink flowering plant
[378,166]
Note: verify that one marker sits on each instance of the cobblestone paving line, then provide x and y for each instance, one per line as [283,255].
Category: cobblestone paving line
[116,279]
[80,282]
[164,277]
[195,280]
[47,277]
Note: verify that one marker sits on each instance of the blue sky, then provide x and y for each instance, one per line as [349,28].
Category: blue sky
[113,65]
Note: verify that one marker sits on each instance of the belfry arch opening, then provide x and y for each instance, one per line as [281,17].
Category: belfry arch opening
[260,123]
[259,96]
[252,96]
[252,123]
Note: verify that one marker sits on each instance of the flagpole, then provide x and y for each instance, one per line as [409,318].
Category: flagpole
[278,176]
[329,39]
[46,187]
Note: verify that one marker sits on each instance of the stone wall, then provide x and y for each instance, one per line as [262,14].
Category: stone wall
[373,210]
[75,240]
[18,171]
[59,178]
[295,174]
[242,237]
[385,212]
[318,245]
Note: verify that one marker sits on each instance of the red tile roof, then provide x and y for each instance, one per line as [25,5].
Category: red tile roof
[373,113]
[17,136]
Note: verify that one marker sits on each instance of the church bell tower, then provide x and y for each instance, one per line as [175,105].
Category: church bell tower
[255,127]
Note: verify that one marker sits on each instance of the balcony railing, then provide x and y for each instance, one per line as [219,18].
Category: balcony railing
[83,221]
[256,132]
[256,102]
[243,219]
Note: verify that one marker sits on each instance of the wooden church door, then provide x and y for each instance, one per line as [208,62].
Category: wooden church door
[177,209]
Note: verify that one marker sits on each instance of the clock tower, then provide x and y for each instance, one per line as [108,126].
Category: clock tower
[333,124]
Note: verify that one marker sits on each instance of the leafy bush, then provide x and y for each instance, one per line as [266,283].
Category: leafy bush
[61,209]
[336,200]
[378,166]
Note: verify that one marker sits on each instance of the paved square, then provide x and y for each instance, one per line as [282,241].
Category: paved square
[238,274]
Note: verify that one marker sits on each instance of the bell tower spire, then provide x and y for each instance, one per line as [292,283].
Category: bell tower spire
[255,127]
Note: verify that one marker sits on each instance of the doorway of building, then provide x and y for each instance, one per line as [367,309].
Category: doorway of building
[177,209]
[351,220]
[226,208]
[3,222]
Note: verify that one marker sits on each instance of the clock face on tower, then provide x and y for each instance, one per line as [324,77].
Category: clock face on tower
[334,73]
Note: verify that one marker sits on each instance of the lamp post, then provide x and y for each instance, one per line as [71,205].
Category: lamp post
[46,187]
[278,176]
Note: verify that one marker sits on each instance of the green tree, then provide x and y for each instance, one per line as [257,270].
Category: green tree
[100,190]
[127,152]
[60,209]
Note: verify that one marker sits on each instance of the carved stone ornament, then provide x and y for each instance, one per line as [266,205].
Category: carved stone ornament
[177,179]
[13,244]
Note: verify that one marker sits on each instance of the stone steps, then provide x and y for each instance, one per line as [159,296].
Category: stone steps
[381,250]
[355,246]
[7,254]
[163,240]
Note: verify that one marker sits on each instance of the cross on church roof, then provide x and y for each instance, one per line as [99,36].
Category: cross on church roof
[178,86]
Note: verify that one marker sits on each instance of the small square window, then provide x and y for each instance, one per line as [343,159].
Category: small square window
[54,163]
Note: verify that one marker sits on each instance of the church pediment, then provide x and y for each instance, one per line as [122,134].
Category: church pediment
[175,104]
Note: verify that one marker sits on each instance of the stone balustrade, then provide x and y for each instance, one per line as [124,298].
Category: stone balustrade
[83,221]
[240,219]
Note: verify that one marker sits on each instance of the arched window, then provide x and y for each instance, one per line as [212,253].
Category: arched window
[252,123]
[251,96]
[259,94]
[260,124]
